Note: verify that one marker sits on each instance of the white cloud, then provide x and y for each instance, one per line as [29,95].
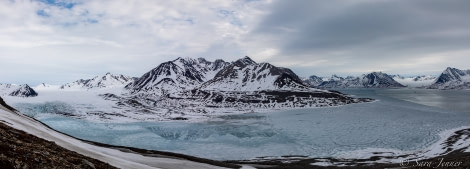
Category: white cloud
[136,34]
[51,41]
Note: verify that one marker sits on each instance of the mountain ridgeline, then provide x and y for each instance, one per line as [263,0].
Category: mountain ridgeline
[177,75]
[186,85]
[451,78]
[371,80]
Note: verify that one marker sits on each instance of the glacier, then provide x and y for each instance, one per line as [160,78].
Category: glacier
[398,120]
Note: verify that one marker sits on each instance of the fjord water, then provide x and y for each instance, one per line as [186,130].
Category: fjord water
[401,119]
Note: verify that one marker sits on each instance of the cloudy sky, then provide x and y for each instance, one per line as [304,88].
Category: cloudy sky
[58,41]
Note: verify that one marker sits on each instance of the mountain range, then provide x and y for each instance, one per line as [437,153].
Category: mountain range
[371,80]
[107,81]
[186,74]
[415,81]
[451,78]
[242,84]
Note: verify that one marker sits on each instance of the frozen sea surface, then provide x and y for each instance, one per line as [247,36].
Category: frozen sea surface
[391,122]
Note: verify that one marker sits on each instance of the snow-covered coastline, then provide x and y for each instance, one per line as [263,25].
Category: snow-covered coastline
[115,157]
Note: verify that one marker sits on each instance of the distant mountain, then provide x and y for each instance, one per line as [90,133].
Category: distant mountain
[17,90]
[107,81]
[44,86]
[371,80]
[415,81]
[247,75]
[452,78]
[177,75]
[313,81]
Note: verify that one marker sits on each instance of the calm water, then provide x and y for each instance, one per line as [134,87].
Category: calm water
[454,100]
[403,119]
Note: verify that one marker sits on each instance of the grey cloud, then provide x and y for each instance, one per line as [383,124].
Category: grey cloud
[380,30]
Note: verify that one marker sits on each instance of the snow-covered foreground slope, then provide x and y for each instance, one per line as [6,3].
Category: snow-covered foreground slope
[119,158]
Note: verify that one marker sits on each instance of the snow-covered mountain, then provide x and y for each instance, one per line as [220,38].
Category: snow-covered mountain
[314,81]
[107,81]
[177,75]
[452,78]
[17,90]
[247,75]
[415,81]
[185,88]
[44,86]
[371,80]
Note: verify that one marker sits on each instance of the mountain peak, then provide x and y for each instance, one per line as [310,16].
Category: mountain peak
[179,74]
[247,75]
[246,61]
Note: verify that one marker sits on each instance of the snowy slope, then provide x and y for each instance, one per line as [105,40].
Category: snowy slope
[452,78]
[107,81]
[247,75]
[17,90]
[415,81]
[177,75]
[121,158]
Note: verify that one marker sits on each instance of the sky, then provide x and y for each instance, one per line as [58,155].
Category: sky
[60,41]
